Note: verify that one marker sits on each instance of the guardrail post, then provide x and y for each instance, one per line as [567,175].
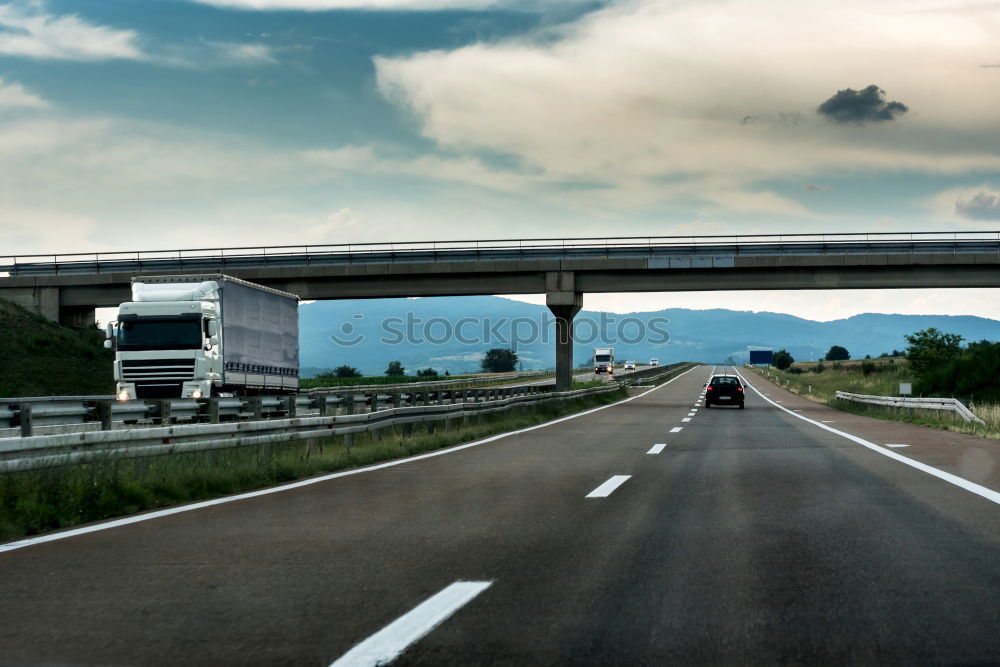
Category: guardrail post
[348,401]
[162,408]
[291,409]
[24,416]
[465,415]
[103,412]
[430,427]
[255,407]
[213,410]
[322,404]
[397,399]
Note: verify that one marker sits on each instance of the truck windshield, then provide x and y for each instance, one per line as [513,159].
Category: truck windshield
[602,357]
[159,334]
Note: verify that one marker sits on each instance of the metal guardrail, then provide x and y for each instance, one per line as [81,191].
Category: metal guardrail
[949,404]
[29,453]
[237,257]
[207,428]
[437,384]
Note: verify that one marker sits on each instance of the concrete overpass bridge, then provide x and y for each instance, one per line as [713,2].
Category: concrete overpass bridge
[68,287]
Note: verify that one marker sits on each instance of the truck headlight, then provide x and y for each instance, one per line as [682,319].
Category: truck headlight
[196,393]
[123,395]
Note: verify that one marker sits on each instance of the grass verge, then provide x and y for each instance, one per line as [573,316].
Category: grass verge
[823,387]
[41,500]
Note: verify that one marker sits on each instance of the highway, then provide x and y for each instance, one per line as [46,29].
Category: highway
[652,531]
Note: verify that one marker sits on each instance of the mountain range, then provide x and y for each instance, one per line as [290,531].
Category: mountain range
[451,333]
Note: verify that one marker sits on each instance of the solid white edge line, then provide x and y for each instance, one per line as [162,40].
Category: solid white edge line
[960,482]
[157,514]
[608,487]
[657,448]
[388,643]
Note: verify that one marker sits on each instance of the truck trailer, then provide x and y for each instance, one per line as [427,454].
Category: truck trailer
[204,335]
[604,360]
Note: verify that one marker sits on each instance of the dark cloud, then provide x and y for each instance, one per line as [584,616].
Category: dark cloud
[851,106]
[981,206]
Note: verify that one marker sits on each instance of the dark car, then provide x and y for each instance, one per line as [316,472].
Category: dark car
[724,390]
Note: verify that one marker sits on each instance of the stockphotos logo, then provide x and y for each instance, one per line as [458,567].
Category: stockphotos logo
[410,329]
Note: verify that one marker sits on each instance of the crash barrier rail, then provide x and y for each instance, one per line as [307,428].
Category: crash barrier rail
[68,410]
[650,373]
[949,404]
[46,451]
[234,257]
[456,383]
[214,432]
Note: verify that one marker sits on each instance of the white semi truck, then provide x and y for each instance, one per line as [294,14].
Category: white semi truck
[204,335]
[604,360]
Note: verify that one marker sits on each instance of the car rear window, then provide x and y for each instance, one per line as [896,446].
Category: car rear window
[725,381]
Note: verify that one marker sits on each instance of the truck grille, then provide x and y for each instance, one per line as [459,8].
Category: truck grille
[137,370]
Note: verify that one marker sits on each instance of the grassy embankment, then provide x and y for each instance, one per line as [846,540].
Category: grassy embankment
[42,500]
[882,379]
[41,358]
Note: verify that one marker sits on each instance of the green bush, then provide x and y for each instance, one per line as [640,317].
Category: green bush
[973,373]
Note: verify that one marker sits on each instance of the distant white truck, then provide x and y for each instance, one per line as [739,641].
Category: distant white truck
[604,360]
[203,335]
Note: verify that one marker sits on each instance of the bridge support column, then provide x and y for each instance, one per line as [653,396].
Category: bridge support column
[564,302]
[42,301]
[81,317]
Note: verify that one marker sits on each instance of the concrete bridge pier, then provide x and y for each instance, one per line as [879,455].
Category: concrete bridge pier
[48,302]
[564,302]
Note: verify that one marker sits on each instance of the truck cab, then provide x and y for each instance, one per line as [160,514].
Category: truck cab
[604,360]
[166,349]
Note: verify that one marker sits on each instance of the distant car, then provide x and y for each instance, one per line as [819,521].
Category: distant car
[654,362]
[629,366]
[724,390]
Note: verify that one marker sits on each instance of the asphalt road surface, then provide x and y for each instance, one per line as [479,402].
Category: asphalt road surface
[624,536]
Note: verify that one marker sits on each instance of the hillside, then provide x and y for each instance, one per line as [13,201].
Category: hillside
[695,335]
[40,358]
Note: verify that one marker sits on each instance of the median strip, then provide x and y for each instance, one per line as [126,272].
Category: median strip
[388,643]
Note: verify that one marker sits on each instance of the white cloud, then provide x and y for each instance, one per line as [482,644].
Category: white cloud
[26,30]
[15,96]
[656,89]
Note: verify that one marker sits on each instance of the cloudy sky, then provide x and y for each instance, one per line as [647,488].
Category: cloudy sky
[171,123]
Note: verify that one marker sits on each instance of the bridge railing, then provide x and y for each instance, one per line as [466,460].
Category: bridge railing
[214,258]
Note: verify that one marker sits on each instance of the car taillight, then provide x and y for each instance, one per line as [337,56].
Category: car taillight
[710,387]
[739,389]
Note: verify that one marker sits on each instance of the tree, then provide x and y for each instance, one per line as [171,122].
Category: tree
[782,360]
[346,371]
[930,348]
[395,369]
[499,360]
[427,373]
[837,353]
